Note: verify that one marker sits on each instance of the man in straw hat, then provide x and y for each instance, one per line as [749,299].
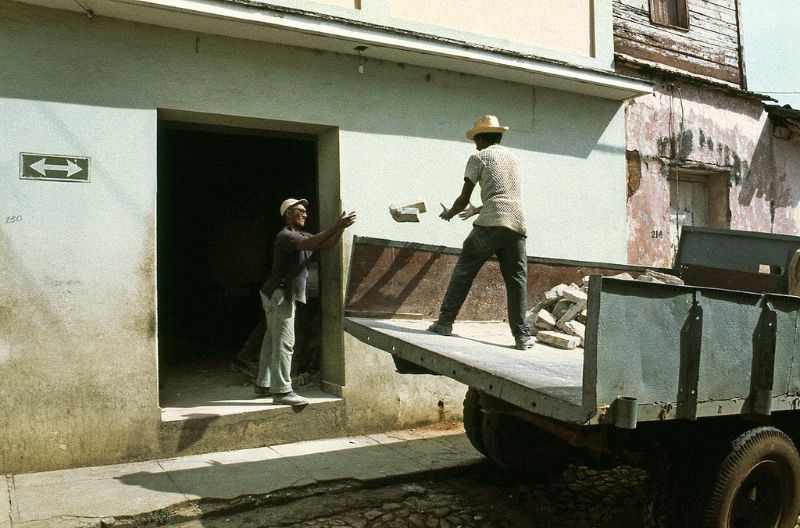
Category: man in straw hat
[499,229]
[285,286]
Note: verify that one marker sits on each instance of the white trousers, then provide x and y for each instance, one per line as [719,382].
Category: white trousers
[275,362]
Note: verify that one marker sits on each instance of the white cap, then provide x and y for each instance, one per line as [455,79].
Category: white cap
[289,202]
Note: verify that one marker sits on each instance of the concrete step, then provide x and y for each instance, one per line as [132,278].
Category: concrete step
[230,424]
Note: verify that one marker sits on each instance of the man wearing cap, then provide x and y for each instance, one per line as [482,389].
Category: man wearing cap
[499,229]
[285,286]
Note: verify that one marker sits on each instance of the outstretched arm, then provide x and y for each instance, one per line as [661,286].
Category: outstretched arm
[328,238]
[460,203]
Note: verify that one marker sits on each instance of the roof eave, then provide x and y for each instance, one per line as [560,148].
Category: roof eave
[260,21]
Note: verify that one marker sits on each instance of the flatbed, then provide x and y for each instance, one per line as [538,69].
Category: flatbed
[699,381]
[481,354]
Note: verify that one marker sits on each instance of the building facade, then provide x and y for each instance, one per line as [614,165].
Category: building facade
[701,149]
[147,145]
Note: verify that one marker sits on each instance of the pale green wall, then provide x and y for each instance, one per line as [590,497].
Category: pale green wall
[77,340]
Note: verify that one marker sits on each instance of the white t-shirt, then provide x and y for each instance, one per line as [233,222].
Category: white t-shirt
[498,172]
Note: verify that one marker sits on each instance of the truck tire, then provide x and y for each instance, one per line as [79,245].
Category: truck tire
[521,449]
[473,415]
[757,484]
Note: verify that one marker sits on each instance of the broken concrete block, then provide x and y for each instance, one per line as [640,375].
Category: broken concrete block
[572,312]
[404,214]
[418,205]
[585,282]
[558,339]
[623,276]
[574,328]
[581,317]
[574,294]
[664,277]
[554,294]
[561,307]
[644,277]
[544,320]
[407,212]
[543,303]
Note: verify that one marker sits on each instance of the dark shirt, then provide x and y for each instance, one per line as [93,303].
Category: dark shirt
[289,270]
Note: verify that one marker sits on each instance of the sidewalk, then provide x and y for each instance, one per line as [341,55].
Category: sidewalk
[99,496]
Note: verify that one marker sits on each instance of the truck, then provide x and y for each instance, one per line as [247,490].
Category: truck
[697,382]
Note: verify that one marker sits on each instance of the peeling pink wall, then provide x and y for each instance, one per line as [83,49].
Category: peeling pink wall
[691,126]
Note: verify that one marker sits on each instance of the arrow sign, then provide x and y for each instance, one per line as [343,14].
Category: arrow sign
[42,167]
[53,167]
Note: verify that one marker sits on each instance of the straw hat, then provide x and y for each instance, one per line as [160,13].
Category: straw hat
[486,123]
[289,202]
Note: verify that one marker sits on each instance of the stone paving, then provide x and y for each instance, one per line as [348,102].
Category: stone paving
[481,498]
[582,497]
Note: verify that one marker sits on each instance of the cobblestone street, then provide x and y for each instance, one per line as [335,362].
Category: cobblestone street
[582,497]
[480,498]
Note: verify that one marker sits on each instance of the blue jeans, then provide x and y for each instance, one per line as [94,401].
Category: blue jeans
[481,244]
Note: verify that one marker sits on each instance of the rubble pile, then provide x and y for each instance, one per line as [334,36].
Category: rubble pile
[559,317]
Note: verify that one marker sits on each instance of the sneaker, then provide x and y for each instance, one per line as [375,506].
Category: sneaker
[441,328]
[289,398]
[523,342]
[262,391]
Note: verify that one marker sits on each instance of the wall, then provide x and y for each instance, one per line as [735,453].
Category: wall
[574,31]
[565,26]
[77,310]
[77,330]
[710,46]
[690,126]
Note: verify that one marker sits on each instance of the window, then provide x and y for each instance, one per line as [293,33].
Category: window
[673,13]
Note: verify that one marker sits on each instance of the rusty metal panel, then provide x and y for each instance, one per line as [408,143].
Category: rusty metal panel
[390,279]
[695,275]
[735,250]
[409,282]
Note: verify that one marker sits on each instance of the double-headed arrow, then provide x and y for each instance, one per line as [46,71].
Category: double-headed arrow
[41,166]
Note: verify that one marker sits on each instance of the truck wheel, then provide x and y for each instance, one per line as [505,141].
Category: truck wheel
[520,448]
[758,483]
[473,415]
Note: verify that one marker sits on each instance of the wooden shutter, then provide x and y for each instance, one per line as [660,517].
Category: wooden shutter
[673,13]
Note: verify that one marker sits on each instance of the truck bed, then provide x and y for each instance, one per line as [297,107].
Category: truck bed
[652,352]
[481,354]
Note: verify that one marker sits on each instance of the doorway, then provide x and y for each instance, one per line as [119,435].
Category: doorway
[219,191]
[697,198]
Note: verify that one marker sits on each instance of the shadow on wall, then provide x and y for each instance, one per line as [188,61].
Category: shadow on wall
[763,180]
[238,77]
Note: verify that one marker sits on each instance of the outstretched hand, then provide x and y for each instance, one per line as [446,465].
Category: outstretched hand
[346,219]
[469,210]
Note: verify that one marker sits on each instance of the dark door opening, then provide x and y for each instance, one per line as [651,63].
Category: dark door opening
[219,191]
